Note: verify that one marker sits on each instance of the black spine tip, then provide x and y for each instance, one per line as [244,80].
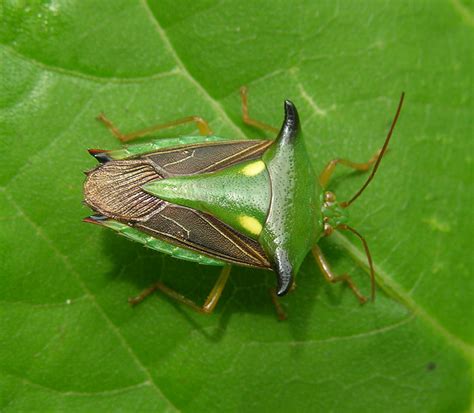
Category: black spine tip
[284,272]
[100,155]
[290,109]
[283,288]
[291,124]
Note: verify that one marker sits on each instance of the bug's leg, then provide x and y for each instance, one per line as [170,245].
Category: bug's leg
[278,308]
[276,302]
[245,113]
[206,308]
[202,125]
[328,170]
[331,277]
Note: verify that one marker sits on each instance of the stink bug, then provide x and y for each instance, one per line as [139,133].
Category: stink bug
[217,201]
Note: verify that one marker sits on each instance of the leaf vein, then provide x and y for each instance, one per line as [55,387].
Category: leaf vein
[185,72]
[53,141]
[84,76]
[114,329]
[78,393]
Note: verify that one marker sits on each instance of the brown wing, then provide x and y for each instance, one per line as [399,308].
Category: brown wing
[204,233]
[205,157]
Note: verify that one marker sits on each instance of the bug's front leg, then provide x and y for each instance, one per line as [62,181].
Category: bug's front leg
[328,170]
[331,277]
[206,308]
[202,125]
[281,314]
[245,114]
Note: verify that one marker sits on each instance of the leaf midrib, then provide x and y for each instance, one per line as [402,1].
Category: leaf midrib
[214,103]
[397,292]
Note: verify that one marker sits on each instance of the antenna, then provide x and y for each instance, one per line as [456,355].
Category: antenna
[369,257]
[382,152]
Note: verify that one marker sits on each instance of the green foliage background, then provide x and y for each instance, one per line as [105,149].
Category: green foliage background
[70,342]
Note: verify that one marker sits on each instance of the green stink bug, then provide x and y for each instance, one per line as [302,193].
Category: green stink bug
[217,201]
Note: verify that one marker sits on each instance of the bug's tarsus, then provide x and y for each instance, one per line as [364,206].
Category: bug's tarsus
[381,154]
[345,227]
[133,301]
[333,278]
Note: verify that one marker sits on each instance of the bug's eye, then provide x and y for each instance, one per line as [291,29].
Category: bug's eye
[329,197]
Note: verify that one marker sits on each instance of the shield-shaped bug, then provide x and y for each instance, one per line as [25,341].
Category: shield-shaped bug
[217,201]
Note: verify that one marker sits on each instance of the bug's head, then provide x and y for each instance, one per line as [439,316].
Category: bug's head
[334,213]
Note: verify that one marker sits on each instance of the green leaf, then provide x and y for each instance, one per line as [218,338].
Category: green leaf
[69,340]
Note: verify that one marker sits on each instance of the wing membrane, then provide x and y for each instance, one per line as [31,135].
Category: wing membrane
[114,189]
[204,233]
[206,157]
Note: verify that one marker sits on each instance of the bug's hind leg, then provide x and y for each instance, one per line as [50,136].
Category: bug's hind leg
[331,277]
[202,125]
[208,306]
[245,114]
[281,314]
[328,170]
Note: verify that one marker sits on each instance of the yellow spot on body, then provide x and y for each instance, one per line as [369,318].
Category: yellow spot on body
[250,224]
[253,168]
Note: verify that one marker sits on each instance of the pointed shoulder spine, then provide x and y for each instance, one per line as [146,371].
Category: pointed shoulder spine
[291,124]
[284,272]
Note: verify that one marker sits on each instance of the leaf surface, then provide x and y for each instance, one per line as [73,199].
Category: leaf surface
[69,339]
